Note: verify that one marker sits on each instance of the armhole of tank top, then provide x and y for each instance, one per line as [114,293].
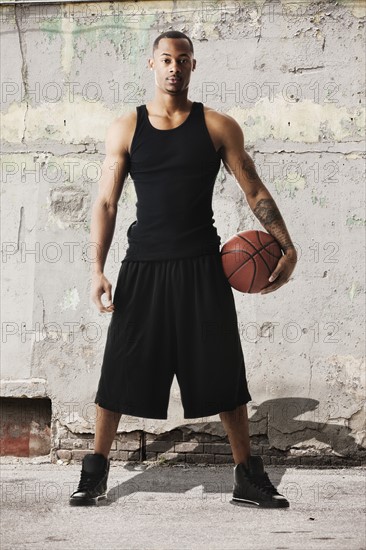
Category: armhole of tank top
[138,116]
[207,132]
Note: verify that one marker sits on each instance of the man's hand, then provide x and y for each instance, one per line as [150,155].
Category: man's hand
[281,274]
[99,286]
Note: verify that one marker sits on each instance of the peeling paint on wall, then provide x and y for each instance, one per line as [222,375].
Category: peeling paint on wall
[290,122]
[71,299]
[290,185]
[355,221]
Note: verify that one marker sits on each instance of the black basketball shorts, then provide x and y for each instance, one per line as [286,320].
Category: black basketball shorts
[174,316]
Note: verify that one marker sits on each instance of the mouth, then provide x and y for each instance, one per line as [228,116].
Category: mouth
[174,80]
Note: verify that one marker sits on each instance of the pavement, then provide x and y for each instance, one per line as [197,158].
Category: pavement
[155,506]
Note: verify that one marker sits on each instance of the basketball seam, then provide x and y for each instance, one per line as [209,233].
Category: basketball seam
[259,239]
[251,256]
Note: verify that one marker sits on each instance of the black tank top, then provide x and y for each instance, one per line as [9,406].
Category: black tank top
[174,173]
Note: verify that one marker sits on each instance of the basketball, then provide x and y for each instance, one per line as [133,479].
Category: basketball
[249,258]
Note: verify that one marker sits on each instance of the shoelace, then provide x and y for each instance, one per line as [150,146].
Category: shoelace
[263,482]
[87,477]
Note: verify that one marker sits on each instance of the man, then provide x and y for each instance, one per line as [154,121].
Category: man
[173,310]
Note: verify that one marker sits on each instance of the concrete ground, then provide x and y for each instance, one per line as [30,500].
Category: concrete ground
[166,507]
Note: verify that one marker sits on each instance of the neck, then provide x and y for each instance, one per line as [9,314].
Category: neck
[168,105]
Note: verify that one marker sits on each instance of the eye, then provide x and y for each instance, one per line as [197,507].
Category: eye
[182,60]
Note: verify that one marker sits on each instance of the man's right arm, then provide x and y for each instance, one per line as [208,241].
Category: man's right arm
[104,210]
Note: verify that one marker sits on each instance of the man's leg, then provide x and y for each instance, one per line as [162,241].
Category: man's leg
[251,483]
[105,430]
[95,467]
[237,428]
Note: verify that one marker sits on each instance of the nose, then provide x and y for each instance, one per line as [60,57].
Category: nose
[174,68]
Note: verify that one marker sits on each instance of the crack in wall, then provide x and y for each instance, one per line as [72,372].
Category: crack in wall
[310,378]
[301,69]
[24,68]
[20,228]
[43,310]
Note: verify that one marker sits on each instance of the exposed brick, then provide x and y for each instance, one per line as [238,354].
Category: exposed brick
[271,451]
[129,436]
[310,460]
[202,437]
[173,435]
[188,447]
[118,456]
[259,440]
[173,457]
[63,454]
[53,457]
[134,455]
[80,444]
[291,460]
[78,454]
[159,446]
[343,461]
[224,459]
[122,455]
[183,445]
[61,431]
[278,460]
[114,455]
[113,447]
[256,449]
[128,445]
[324,460]
[67,443]
[218,448]
[150,455]
[200,458]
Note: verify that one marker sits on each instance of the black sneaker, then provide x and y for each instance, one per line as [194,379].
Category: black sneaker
[93,481]
[252,486]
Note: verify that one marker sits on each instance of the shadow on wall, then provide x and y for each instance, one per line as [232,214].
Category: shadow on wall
[276,418]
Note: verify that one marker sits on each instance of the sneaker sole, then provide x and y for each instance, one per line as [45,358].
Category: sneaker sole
[88,502]
[252,503]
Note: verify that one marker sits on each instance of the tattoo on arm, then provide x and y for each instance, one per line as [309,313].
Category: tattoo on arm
[249,169]
[270,217]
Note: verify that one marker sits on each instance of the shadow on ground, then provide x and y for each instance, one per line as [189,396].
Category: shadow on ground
[275,419]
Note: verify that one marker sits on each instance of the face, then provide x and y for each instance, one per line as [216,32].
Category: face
[172,60]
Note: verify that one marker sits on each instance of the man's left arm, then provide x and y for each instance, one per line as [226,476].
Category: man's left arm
[241,166]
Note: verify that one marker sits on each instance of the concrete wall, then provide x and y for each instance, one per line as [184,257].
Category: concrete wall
[292,74]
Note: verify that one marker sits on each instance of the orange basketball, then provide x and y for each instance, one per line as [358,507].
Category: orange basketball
[249,258]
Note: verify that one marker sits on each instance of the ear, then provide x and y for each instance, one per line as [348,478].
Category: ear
[194,65]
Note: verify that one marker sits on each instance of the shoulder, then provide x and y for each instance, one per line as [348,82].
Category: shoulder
[121,129]
[222,126]
[218,118]
[124,122]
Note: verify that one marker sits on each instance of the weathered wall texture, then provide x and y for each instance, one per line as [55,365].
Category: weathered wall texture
[292,74]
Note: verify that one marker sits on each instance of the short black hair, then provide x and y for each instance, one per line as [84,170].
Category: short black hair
[172,34]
